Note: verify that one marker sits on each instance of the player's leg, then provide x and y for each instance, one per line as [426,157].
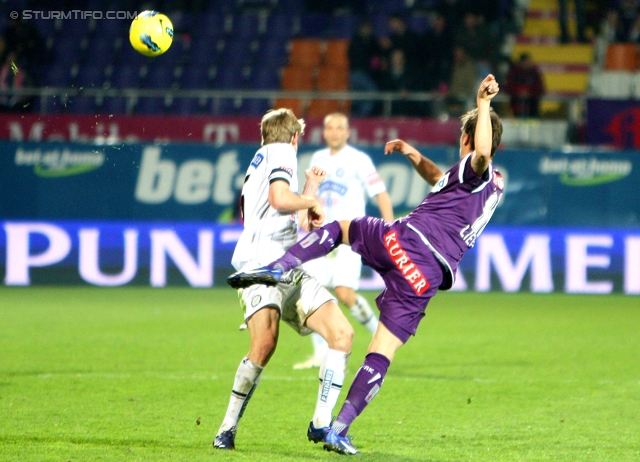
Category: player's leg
[359,307]
[333,326]
[321,270]
[264,329]
[346,270]
[369,378]
[316,244]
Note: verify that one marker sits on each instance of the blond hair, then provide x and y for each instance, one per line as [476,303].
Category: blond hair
[279,126]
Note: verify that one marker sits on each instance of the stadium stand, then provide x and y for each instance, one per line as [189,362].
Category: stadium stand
[252,44]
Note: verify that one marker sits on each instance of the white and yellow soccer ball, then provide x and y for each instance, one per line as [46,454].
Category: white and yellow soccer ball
[151,33]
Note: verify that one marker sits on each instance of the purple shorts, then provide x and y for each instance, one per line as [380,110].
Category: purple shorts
[410,271]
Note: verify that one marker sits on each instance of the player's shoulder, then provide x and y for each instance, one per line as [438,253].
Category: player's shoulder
[353,151]
[321,153]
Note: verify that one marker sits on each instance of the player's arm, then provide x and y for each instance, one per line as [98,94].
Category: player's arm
[483,140]
[313,217]
[284,200]
[384,204]
[423,165]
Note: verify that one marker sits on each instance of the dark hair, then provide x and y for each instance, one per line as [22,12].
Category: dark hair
[469,121]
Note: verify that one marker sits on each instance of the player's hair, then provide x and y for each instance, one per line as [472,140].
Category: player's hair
[328,117]
[279,126]
[469,121]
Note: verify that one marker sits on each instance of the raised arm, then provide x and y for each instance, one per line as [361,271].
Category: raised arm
[481,158]
[312,217]
[423,165]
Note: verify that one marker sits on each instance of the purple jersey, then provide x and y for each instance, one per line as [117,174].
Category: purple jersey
[452,216]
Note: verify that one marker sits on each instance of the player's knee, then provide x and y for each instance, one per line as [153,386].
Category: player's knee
[341,338]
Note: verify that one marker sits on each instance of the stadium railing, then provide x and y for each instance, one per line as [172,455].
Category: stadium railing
[573,113]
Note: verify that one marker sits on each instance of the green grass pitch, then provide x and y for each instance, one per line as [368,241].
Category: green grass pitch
[90,374]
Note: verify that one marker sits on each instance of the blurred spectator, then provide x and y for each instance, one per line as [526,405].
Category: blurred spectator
[437,44]
[23,39]
[525,86]
[628,11]
[579,7]
[453,12]
[612,29]
[462,87]
[401,38]
[475,38]
[365,62]
[398,78]
[12,76]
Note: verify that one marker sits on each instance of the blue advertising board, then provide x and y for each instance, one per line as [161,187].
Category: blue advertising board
[182,182]
[541,260]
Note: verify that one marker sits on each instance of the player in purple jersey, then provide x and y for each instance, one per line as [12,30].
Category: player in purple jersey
[415,255]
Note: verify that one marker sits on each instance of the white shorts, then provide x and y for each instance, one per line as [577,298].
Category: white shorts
[296,302]
[342,267]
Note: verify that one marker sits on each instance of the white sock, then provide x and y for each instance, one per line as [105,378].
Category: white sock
[332,372]
[364,314]
[245,383]
[320,345]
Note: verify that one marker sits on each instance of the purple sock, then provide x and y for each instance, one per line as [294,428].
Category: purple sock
[316,244]
[364,388]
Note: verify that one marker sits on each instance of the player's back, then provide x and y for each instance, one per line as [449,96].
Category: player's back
[457,210]
[267,232]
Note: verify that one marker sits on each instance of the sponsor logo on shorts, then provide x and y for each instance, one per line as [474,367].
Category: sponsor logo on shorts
[255,300]
[411,272]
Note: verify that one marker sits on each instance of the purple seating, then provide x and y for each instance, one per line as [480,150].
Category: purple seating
[81,105]
[229,78]
[90,76]
[99,52]
[314,25]
[256,107]
[194,77]
[57,76]
[237,52]
[114,105]
[343,26]
[125,77]
[203,54]
[191,106]
[280,26]
[272,52]
[265,78]
[150,106]
[209,25]
[159,76]
[245,26]
[67,51]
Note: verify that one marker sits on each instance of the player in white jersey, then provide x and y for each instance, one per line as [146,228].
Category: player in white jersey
[269,206]
[351,180]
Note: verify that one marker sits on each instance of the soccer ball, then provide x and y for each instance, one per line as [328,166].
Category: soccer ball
[151,33]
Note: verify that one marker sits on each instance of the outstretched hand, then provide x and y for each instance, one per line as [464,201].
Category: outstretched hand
[489,88]
[398,146]
[315,174]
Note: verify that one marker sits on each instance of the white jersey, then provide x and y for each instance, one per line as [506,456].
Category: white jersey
[351,179]
[267,233]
